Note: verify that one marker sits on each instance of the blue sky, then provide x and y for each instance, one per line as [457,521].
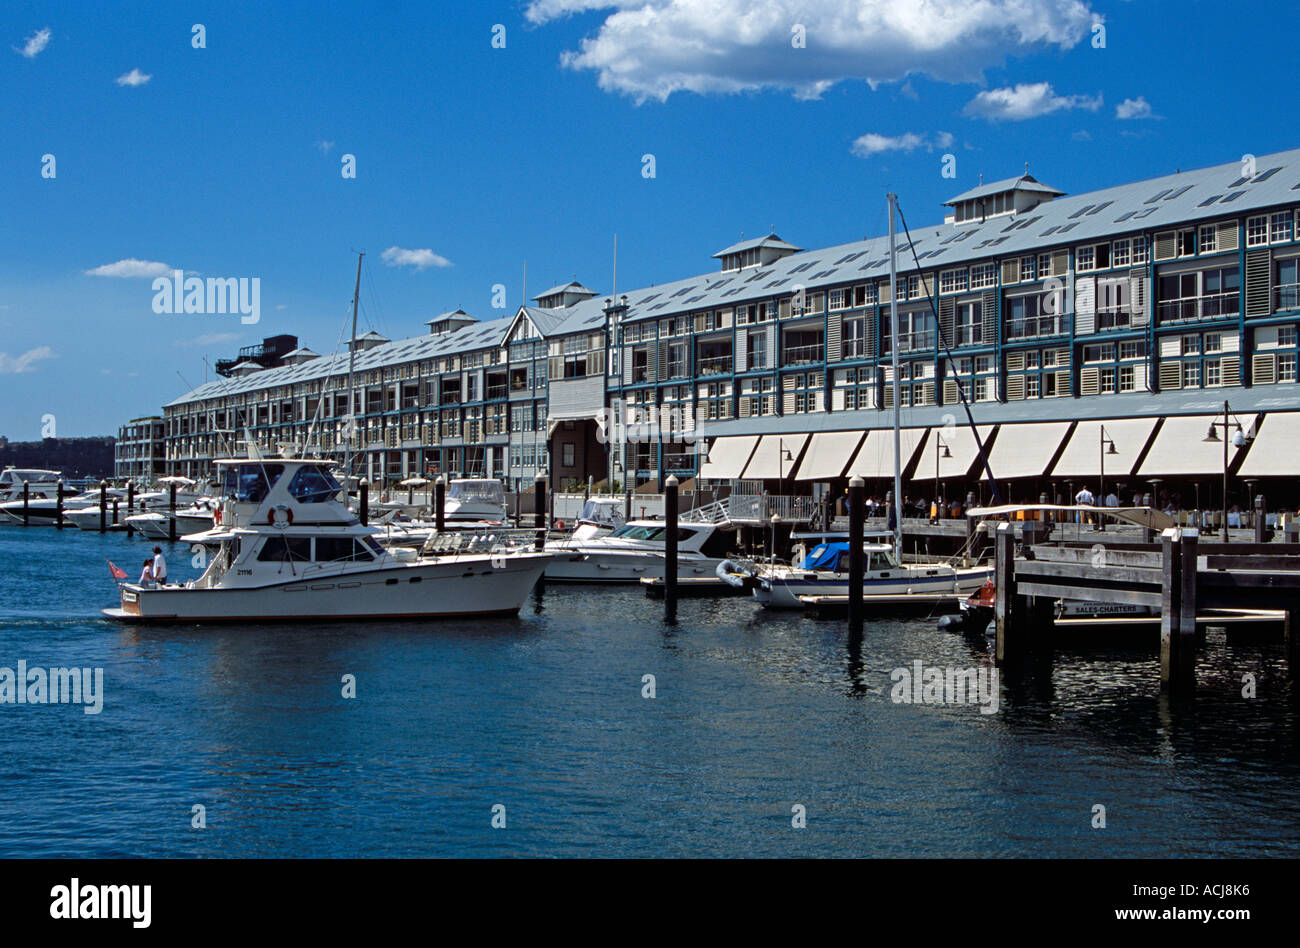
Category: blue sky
[226,160]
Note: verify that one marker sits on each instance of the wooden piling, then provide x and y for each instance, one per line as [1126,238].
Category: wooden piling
[27,501]
[171,513]
[670,549]
[130,498]
[440,502]
[1007,608]
[363,502]
[857,488]
[103,506]
[58,505]
[1178,611]
[539,510]
[115,503]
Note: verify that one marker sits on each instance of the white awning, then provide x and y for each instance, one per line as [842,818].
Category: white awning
[1275,451]
[728,457]
[1180,447]
[960,442]
[1025,450]
[1082,455]
[876,456]
[828,455]
[769,461]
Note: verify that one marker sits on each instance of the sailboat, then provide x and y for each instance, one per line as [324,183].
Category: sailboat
[886,578]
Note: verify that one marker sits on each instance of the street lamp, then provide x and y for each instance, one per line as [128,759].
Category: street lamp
[783,454]
[1238,439]
[1104,447]
[938,443]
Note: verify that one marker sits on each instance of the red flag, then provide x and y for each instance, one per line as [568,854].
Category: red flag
[117,573]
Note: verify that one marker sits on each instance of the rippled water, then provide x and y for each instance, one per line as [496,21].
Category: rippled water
[755,712]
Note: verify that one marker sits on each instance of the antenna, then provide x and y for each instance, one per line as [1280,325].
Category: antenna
[614,290]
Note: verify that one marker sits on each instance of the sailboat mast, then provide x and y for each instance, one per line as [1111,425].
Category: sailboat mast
[352,359]
[893,337]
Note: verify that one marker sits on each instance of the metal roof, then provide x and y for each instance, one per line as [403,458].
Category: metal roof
[1023,183]
[572,286]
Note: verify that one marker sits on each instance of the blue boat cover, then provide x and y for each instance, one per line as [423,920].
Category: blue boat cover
[826,556]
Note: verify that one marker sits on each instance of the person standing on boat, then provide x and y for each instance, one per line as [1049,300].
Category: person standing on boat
[159,567]
[146,574]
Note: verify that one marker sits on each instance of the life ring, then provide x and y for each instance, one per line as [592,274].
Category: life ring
[559,525]
[277,522]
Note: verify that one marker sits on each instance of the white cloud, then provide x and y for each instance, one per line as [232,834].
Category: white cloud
[35,43]
[324,147]
[130,268]
[1138,108]
[1025,101]
[23,363]
[864,146]
[133,78]
[420,259]
[649,49]
[1082,135]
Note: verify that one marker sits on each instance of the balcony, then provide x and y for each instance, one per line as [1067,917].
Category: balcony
[680,463]
[1286,296]
[854,349]
[715,365]
[802,355]
[497,391]
[1035,327]
[1194,309]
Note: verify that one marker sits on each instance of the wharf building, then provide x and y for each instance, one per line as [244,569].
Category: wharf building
[1106,328]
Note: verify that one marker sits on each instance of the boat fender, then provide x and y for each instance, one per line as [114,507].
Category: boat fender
[216,516]
[559,525]
[730,573]
[276,520]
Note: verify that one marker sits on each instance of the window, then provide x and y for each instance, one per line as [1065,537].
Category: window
[1027,268]
[1027,319]
[1191,374]
[1214,342]
[1126,379]
[970,325]
[1257,231]
[1286,291]
[334,549]
[838,300]
[1280,227]
[1186,242]
[983,275]
[1132,350]
[1141,251]
[567,455]
[853,341]
[313,485]
[285,549]
[1213,373]
[1085,259]
[1107,381]
[1208,238]
[1286,368]
[1121,253]
[1191,345]
[1286,335]
[757,350]
[1113,304]
[952,281]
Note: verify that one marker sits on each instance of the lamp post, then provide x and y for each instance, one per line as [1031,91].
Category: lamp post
[783,454]
[938,443]
[1104,447]
[1238,439]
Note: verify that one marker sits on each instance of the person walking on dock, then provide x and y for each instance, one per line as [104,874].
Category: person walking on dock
[1085,499]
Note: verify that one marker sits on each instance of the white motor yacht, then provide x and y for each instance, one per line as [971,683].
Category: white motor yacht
[636,550]
[289,548]
[43,511]
[824,571]
[474,499]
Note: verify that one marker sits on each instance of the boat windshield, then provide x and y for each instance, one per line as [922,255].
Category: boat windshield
[635,531]
[602,512]
[477,492]
[249,483]
[313,485]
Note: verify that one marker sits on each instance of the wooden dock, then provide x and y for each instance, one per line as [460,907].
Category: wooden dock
[827,607]
[655,587]
[1188,580]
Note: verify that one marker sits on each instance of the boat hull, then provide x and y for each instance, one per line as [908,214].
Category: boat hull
[615,568]
[783,590]
[423,589]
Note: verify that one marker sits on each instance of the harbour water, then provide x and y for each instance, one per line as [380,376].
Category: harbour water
[754,714]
